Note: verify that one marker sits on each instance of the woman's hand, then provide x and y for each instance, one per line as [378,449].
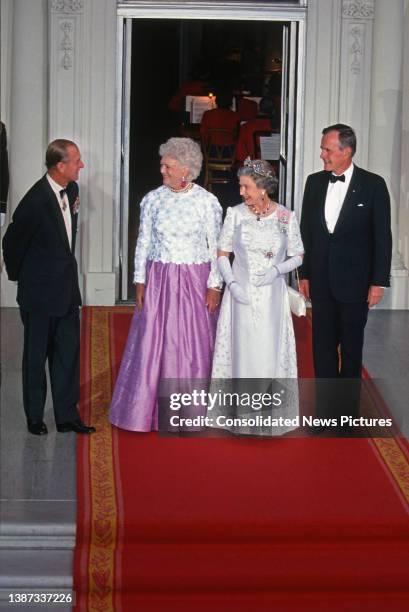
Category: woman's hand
[267,277]
[212,299]
[140,295]
[238,293]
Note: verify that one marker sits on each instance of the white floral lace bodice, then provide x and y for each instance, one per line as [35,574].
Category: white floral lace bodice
[180,228]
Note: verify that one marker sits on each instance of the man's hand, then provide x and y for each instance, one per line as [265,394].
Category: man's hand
[375,294]
[212,299]
[305,288]
[140,295]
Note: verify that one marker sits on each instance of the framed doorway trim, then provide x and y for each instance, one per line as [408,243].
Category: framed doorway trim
[291,13]
[197,9]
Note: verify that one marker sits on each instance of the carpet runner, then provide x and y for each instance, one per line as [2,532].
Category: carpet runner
[243,524]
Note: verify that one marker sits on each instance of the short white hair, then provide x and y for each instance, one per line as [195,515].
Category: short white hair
[185,151]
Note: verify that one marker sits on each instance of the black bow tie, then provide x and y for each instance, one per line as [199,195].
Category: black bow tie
[334,178]
[62,194]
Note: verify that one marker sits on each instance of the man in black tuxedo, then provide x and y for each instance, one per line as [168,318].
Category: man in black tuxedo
[38,249]
[346,231]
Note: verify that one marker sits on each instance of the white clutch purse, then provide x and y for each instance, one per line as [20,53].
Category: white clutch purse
[298,304]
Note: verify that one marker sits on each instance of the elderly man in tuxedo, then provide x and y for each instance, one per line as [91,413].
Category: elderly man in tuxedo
[346,231]
[38,249]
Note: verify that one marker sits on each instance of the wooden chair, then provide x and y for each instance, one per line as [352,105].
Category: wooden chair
[219,151]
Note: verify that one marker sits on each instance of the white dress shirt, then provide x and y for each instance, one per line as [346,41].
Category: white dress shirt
[61,201]
[335,198]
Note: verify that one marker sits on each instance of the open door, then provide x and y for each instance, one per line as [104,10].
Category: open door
[292,21]
[124,33]
[289,115]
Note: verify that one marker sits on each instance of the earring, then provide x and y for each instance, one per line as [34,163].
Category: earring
[183,182]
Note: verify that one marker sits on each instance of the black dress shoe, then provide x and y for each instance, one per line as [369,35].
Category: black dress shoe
[78,426]
[38,428]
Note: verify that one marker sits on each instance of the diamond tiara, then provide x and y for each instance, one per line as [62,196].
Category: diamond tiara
[257,167]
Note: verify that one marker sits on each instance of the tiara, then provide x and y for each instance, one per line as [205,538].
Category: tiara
[257,167]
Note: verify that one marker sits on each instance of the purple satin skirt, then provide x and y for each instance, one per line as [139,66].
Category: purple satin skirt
[171,338]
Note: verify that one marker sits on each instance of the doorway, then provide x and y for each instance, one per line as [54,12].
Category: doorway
[161,57]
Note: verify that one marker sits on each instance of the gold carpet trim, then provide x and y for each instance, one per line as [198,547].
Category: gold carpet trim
[396,462]
[103,532]
[103,501]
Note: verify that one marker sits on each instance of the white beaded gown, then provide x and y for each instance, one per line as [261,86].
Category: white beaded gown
[257,340]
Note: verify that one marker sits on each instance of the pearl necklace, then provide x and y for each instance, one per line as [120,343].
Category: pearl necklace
[261,213]
[187,188]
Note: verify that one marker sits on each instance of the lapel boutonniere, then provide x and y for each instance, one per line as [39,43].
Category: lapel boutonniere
[76,206]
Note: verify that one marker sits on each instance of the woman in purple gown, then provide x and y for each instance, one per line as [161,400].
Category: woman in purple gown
[177,289]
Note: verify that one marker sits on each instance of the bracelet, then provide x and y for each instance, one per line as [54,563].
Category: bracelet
[216,289]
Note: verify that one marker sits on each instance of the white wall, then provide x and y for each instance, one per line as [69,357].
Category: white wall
[354,70]
[24,100]
[58,79]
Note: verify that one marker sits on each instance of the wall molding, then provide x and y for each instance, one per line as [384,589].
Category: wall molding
[67,6]
[356,49]
[358,9]
[67,44]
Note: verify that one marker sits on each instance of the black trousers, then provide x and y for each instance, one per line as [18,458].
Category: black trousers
[58,340]
[338,338]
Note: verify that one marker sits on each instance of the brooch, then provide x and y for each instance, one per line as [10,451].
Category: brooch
[283,216]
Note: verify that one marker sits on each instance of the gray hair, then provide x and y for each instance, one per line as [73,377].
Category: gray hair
[346,135]
[262,173]
[185,151]
[57,151]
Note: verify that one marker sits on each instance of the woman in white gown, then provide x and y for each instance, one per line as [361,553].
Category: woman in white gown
[255,335]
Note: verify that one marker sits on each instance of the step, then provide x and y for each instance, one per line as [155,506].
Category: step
[37,524]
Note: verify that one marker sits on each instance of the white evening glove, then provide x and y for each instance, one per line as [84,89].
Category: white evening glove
[289,264]
[235,289]
[268,276]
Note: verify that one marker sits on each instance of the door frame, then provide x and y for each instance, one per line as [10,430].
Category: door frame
[294,13]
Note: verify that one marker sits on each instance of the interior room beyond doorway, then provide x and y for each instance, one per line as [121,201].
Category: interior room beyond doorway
[174,58]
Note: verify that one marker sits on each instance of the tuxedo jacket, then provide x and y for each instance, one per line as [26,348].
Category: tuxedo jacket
[358,253]
[37,252]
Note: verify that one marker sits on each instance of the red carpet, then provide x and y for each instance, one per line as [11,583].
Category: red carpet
[220,524]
